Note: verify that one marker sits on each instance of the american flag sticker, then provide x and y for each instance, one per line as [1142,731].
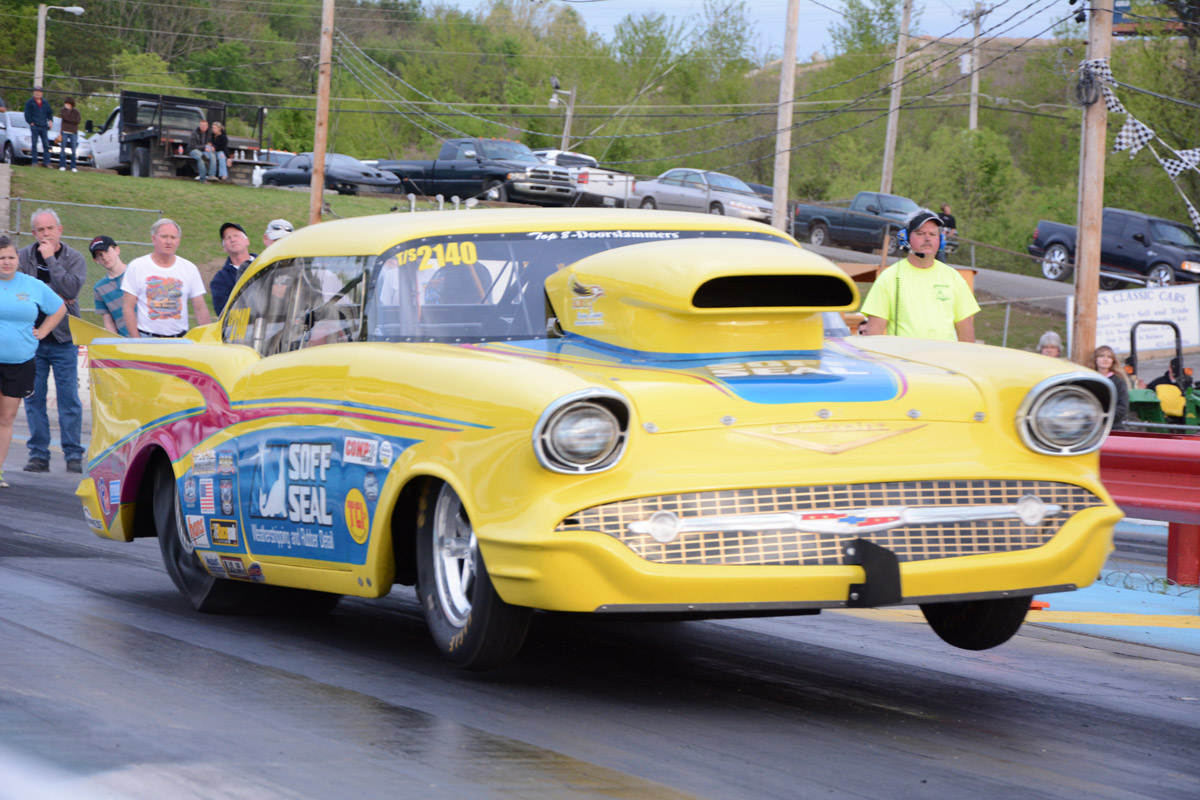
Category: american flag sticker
[206,497]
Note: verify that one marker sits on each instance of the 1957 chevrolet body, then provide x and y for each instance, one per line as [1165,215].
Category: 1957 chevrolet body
[603,411]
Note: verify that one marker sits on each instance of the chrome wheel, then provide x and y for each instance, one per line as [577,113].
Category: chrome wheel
[1056,264]
[1160,275]
[454,557]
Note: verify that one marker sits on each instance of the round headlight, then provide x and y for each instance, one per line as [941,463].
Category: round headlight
[583,434]
[1066,414]
[1068,417]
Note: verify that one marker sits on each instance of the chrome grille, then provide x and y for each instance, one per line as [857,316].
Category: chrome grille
[910,542]
[550,174]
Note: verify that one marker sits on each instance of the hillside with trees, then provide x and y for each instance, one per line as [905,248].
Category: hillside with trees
[659,93]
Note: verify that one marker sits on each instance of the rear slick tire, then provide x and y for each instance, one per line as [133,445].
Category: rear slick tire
[977,624]
[469,623]
[210,595]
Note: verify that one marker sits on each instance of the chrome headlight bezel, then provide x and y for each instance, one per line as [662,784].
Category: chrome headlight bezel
[1086,386]
[551,455]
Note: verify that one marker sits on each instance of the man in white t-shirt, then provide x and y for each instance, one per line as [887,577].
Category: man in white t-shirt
[158,287]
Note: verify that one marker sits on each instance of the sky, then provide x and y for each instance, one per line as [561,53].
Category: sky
[937,18]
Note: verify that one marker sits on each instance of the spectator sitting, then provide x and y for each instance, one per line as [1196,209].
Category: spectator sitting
[220,145]
[200,148]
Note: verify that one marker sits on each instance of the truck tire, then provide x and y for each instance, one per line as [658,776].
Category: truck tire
[139,162]
[1160,275]
[818,234]
[1056,263]
[499,187]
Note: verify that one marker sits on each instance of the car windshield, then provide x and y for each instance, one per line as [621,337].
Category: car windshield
[477,287]
[1168,233]
[513,151]
[345,162]
[898,205]
[172,116]
[728,182]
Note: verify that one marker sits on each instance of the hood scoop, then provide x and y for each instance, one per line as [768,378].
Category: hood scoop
[700,296]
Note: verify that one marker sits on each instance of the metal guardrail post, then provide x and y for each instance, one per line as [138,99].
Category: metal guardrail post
[1007,314]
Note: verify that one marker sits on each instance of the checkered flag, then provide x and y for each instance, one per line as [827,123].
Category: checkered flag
[1133,137]
[1193,214]
[1102,73]
[1188,159]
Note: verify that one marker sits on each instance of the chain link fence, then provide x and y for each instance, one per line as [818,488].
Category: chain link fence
[129,228]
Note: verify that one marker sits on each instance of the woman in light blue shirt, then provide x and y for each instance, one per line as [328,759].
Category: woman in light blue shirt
[22,297]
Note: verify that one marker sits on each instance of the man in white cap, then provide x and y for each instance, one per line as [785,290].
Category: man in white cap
[919,295]
[276,229]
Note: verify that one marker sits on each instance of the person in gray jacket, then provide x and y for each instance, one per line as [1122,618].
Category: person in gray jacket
[65,271]
[200,148]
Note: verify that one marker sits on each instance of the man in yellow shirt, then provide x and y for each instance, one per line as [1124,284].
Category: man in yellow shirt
[920,296]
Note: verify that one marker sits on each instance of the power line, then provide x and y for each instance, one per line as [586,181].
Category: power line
[902,105]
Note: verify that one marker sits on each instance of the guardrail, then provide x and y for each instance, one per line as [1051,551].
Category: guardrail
[1157,476]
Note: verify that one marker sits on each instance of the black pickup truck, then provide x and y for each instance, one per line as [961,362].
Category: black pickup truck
[863,226]
[495,168]
[1150,250]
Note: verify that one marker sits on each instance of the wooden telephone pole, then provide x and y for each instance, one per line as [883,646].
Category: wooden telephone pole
[1093,143]
[783,119]
[316,197]
[889,147]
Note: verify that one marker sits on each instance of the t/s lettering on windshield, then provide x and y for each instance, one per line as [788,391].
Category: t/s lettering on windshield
[645,235]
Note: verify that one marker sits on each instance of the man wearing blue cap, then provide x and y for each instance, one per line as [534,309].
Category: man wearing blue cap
[920,296]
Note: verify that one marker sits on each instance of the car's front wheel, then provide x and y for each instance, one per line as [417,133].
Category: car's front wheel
[468,621]
[1056,263]
[8,153]
[496,187]
[1160,275]
[212,595]
[716,208]
[977,624]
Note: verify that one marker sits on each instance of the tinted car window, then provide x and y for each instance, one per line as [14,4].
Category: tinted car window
[514,151]
[1169,233]
[260,315]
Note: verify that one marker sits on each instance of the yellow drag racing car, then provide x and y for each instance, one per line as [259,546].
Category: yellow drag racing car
[650,415]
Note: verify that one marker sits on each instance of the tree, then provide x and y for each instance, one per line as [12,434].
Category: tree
[871,26]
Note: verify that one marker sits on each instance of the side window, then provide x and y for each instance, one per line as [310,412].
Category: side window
[112,119]
[259,315]
[328,301]
[1115,225]
[694,181]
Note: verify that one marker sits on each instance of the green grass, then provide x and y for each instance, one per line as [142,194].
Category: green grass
[200,209]
[1026,325]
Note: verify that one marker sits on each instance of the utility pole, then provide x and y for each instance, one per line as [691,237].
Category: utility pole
[783,119]
[316,197]
[566,137]
[973,116]
[1093,142]
[889,147]
[39,58]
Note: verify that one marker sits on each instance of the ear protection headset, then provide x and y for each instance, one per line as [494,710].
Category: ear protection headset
[902,234]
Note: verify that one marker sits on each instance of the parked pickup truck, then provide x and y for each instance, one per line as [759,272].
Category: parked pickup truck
[596,185]
[862,226]
[1154,251]
[503,169]
[146,136]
